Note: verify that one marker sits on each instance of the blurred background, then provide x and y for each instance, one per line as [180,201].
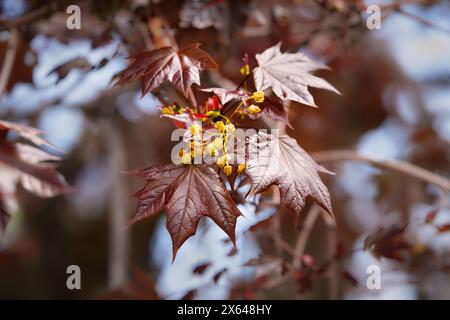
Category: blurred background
[395,104]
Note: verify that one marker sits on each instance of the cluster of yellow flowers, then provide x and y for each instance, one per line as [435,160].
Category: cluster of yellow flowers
[172,110]
[217,148]
[245,70]
[223,160]
[257,97]
[196,146]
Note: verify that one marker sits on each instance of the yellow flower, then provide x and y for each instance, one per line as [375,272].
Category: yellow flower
[195,129]
[245,70]
[228,170]
[258,96]
[223,160]
[186,158]
[253,109]
[167,110]
[211,148]
[219,125]
[241,168]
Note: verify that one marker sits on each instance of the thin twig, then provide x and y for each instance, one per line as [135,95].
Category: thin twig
[192,98]
[276,233]
[32,16]
[25,19]
[331,243]
[423,21]
[304,234]
[10,56]
[397,165]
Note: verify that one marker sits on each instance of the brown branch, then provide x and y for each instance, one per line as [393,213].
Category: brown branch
[423,21]
[276,231]
[283,244]
[8,62]
[331,243]
[303,237]
[397,165]
[31,16]
[299,249]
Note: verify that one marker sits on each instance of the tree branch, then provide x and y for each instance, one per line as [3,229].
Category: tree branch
[396,165]
[331,243]
[303,237]
[8,62]
[31,16]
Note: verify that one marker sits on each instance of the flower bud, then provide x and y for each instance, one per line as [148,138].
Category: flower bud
[253,109]
[258,96]
[228,170]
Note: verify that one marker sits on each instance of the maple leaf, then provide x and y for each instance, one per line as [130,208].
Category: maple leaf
[26,132]
[187,193]
[40,179]
[28,166]
[180,67]
[282,162]
[39,176]
[288,74]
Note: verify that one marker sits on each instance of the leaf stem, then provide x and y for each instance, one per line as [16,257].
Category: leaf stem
[235,110]
[192,98]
